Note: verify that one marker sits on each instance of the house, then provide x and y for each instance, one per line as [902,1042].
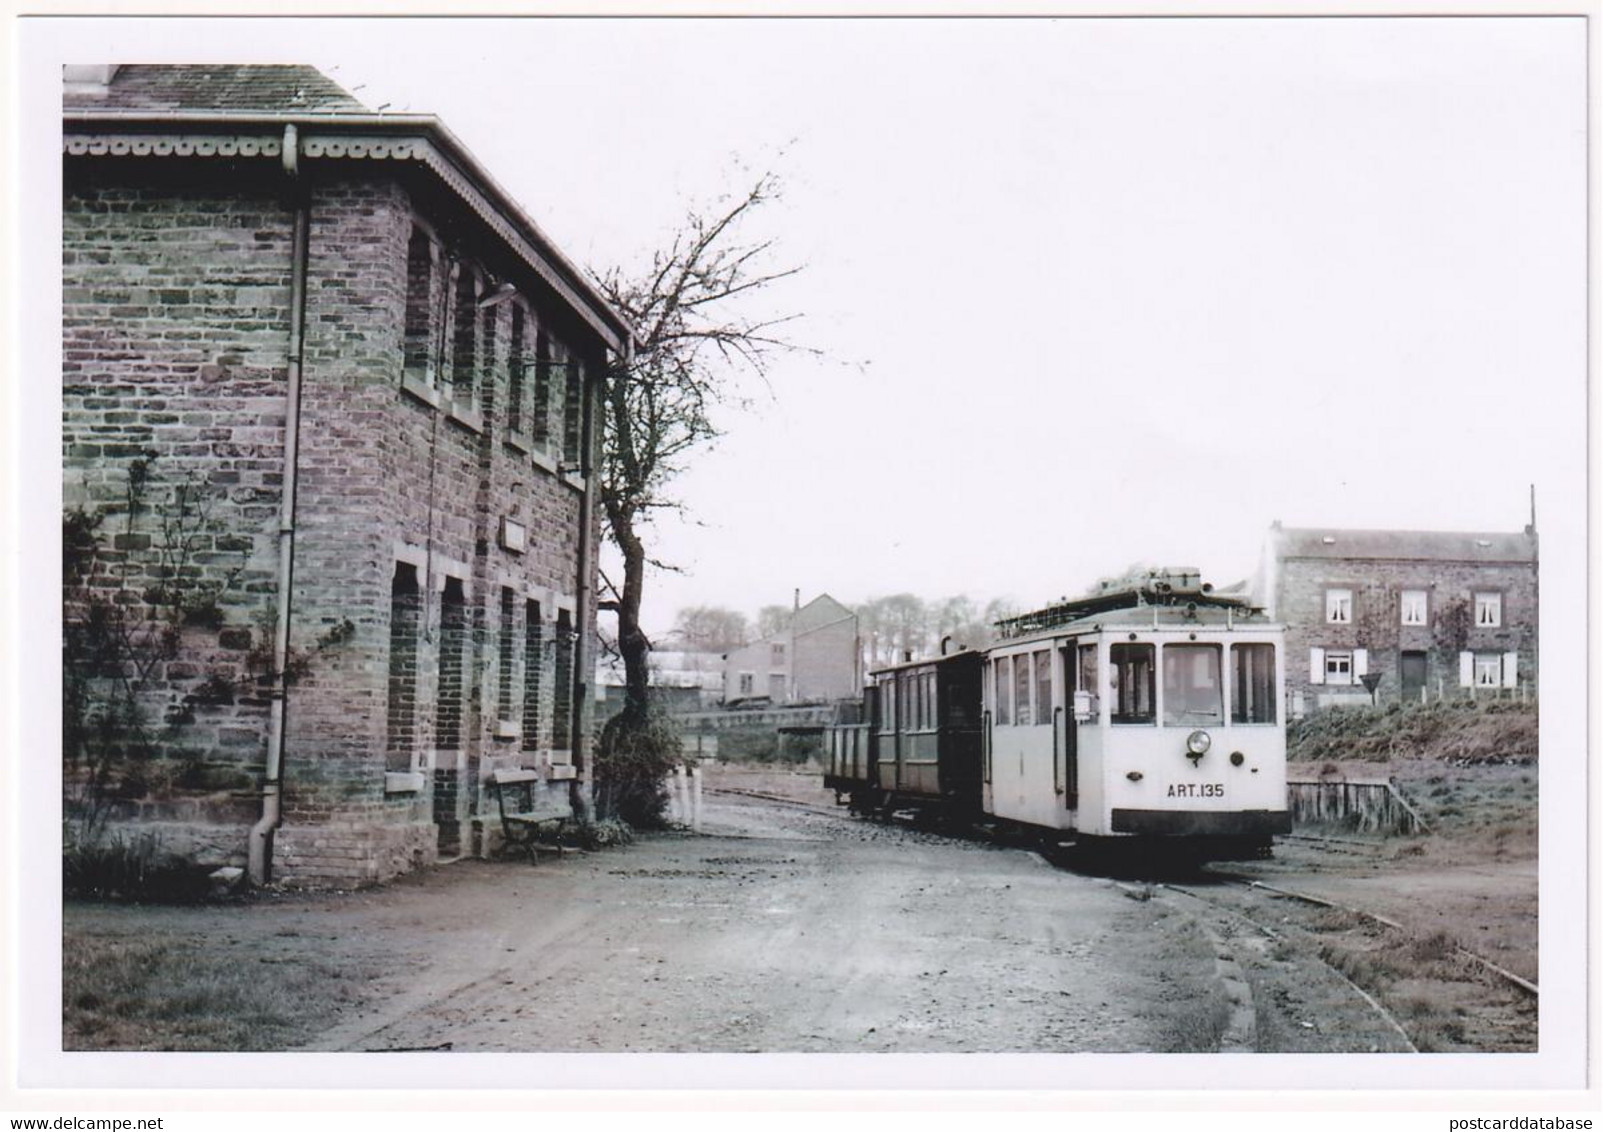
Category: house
[1422,614]
[681,680]
[816,658]
[322,356]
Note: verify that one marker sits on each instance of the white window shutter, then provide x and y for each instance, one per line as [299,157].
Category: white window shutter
[1511,662]
[1466,670]
[1360,662]
[1316,666]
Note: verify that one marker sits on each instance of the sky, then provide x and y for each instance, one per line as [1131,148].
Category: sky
[1083,293]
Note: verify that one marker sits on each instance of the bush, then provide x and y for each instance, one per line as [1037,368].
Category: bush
[1495,731]
[600,834]
[634,756]
[138,868]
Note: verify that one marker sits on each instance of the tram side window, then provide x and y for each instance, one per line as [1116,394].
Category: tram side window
[1004,691]
[1193,691]
[1131,675]
[1021,689]
[887,703]
[1252,698]
[931,719]
[1043,687]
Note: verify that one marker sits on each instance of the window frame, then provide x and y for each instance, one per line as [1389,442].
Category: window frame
[1345,681]
[1236,683]
[1403,608]
[1481,661]
[1333,595]
[1181,648]
[1495,599]
[1116,687]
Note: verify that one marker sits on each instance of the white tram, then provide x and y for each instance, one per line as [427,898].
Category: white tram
[1150,710]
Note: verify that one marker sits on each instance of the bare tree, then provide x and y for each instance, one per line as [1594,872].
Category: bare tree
[711,628]
[773,621]
[696,337]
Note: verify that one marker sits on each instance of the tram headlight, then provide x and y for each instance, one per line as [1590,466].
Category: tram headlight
[1197,743]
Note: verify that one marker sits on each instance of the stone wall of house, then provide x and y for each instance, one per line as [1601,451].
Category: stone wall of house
[1376,624]
[177,344]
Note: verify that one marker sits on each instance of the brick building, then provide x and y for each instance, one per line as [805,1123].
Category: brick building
[817,658]
[317,362]
[1431,614]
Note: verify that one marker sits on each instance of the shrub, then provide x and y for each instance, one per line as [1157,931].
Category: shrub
[136,868]
[634,756]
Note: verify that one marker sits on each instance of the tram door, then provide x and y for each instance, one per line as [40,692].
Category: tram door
[1070,730]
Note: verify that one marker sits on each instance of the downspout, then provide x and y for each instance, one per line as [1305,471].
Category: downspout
[584,599]
[261,834]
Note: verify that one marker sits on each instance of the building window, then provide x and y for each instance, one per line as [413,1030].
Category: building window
[1252,684]
[572,406]
[1004,691]
[515,366]
[505,657]
[748,682]
[533,670]
[930,718]
[464,344]
[450,693]
[419,330]
[1414,603]
[488,319]
[1488,610]
[777,654]
[542,391]
[887,703]
[562,699]
[406,605]
[1193,691]
[1338,667]
[1339,607]
[1488,670]
[1131,677]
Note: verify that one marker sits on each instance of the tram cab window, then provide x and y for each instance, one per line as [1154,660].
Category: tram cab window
[1193,691]
[1003,691]
[1252,684]
[1043,687]
[1021,686]
[1130,676]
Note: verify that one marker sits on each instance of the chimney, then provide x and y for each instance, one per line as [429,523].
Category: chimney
[795,601]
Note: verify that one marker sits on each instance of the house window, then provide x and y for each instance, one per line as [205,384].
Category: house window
[515,365]
[453,638]
[406,605]
[777,654]
[1339,607]
[419,330]
[504,656]
[1488,610]
[542,391]
[1338,667]
[1252,684]
[1488,670]
[1193,691]
[562,700]
[1413,607]
[572,405]
[464,344]
[1130,675]
[1043,687]
[1004,691]
[748,681]
[533,670]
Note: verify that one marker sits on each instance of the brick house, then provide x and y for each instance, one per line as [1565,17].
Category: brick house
[1430,613]
[338,333]
[815,659]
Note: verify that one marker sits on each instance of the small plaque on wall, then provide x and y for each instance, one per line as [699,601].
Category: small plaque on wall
[513,535]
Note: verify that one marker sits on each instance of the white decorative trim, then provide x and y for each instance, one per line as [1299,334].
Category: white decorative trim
[414,556]
[171,145]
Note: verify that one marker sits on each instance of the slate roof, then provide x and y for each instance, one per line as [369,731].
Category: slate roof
[221,86]
[1430,546]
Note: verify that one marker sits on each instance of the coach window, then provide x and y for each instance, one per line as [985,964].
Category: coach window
[1193,690]
[1004,691]
[931,718]
[1021,690]
[1252,684]
[1131,677]
[1043,687]
[887,702]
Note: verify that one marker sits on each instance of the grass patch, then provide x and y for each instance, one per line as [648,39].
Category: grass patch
[165,994]
[1464,733]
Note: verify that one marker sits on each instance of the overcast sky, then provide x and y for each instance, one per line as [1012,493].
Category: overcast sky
[1087,292]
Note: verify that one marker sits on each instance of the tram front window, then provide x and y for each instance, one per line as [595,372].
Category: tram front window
[1130,679]
[1193,693]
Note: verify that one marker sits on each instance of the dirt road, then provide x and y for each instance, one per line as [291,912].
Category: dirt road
[780,929]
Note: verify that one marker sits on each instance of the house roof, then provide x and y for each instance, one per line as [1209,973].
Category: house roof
[821,611]
[289,113]
[213,86]
[1431,546]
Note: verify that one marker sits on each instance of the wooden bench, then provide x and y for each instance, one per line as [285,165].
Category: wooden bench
[521,819]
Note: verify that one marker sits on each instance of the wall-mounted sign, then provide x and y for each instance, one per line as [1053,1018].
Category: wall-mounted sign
[513,535]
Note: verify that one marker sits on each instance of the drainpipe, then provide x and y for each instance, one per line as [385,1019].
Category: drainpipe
[261,834]
[584,599]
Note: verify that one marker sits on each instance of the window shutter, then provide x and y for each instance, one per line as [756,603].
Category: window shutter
[1511,662]
[1360,662]
[1466,670]
[1316,666]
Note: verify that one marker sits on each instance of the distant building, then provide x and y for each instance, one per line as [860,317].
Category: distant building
[815,659]
[681,679]
[1429,613]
